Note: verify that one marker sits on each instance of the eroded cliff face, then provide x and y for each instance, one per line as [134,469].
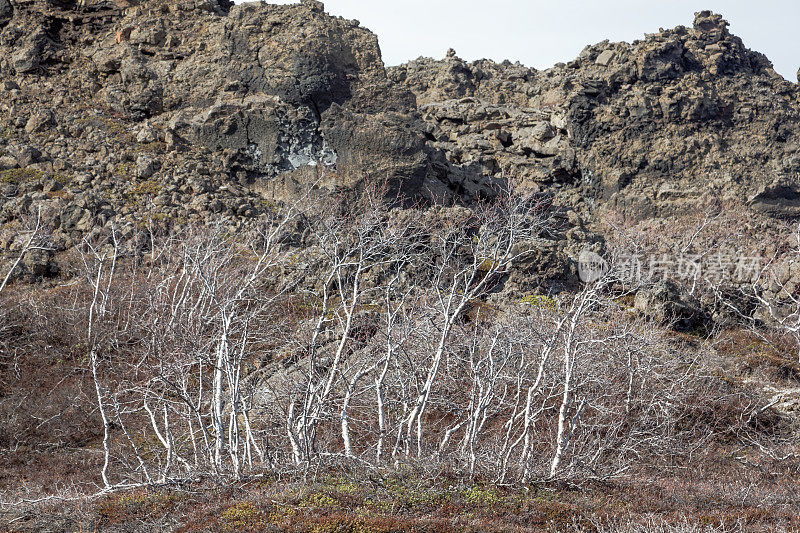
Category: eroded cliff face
[249,94]
[198,110]
[682,118]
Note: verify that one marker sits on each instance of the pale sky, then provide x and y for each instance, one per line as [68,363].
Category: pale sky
[540,33]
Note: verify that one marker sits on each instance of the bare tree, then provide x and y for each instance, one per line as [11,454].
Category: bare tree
[471,256]
[31,244]
[348,332]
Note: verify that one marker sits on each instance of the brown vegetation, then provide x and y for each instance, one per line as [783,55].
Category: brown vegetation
[347,367]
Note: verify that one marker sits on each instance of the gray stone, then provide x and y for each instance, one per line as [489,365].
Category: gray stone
[40,121]
[28,56]
[7,162]
[780,199]
[6,12]
[543,131]
[38,264]
[76,218]
[669,303]
[109,59]
[147,134]
[146,166]
[28,155]
[605,58]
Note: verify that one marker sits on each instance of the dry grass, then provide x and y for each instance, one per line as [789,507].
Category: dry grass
[395,503]
[50,434]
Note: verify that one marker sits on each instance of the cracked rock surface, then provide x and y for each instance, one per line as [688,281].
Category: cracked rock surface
[195,111]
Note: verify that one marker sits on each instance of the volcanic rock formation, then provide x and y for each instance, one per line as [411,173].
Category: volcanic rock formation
[197,110]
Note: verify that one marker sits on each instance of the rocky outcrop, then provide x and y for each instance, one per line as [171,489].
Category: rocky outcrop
[135,111]
[274,88]
[669,303]
[680,119]
[6,12]
[267,89]
[780,198]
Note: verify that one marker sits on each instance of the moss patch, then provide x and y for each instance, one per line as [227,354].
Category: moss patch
[16,176]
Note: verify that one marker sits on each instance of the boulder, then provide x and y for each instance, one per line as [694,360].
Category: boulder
[6,12]
[329,66]
[40,121]
[669,303]
[261,135]
[108,59]
[384,146]
[146,166]
[542,266]
[605,58]
[147,134]
[780,198]
[76,218]
[39,264]
[8,162]
[28,155]
[28,56]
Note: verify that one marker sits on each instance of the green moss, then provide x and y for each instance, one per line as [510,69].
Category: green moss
[146,187]
[270,206]
[243,515]
[152,147]
[126,507]
[487,265]
[20,175]
[542,302]
[124,169]
[63,179]
[109,125]
[318,500]
[483,496]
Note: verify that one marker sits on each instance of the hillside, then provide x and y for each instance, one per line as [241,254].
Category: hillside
[253,279]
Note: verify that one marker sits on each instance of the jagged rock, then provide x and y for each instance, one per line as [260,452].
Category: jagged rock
[40,121]
[108,59]
[147,134]
[28,55]
[544,266]
[250,100]
[383,146]
[261,134]
[140,93]
[613,127]
[146,166]
[262,102]
[605,58]
[627,119]
[7,162]
[6,12]
[28,155]
[76,218]
[39,264]
[314,5]
[780,198]
[669,303]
